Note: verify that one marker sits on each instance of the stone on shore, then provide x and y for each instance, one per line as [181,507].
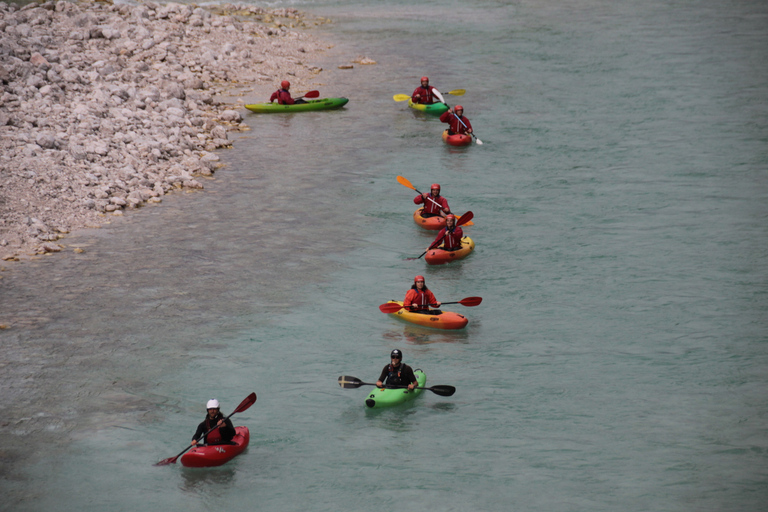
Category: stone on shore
[106,107]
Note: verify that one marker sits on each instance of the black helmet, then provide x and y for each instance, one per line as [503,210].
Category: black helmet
[396,354]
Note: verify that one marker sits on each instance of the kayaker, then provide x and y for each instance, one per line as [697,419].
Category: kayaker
[397,373]
[419,297]
[434,203]
[426,94]
[282,95]
[452,233]
[457,123]
[224,431]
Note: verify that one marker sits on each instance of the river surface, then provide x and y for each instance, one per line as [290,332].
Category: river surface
[618,361]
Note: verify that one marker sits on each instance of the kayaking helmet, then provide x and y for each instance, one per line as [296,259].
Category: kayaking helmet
[450,216]
[418,278]
[458,107]
[435,186]
[212,404]
[396,354]
[285,84]
[425,79]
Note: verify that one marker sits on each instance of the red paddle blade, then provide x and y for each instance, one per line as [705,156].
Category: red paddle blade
[165,462]
[390,307]
[312,94]
[245,404]
[471,301]
[465,218]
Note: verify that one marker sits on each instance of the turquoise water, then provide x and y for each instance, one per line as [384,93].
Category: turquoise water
[617,362]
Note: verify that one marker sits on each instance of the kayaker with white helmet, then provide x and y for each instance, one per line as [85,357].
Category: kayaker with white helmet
[283,96]
[426,94]
[397,373]
[457,123]
[434,203]
[450,235]
[419,297]
[224,431]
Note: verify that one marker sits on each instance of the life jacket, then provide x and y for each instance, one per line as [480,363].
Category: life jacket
[395,375]
[427,97]
[214,436]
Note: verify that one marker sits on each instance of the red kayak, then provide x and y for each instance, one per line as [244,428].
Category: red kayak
[216,455]
[457,139]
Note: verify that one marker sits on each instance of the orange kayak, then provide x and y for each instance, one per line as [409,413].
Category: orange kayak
[440,256]
[435,223]
[434,318]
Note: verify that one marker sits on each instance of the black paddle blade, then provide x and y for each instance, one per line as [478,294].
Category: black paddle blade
[349,382]
[443,390]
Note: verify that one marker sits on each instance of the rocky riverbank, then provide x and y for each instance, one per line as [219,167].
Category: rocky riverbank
[106,107]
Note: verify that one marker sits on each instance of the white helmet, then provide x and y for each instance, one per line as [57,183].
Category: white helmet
[212,404]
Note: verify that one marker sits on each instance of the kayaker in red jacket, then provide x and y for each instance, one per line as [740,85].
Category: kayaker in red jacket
[426,94]
[452,233]
[434,203]
[282,95]
[457,123]
[224,432]
[419,297]
[397,373]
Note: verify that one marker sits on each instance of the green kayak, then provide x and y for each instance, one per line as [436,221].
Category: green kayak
[384,397]
[434,108]
[309,105]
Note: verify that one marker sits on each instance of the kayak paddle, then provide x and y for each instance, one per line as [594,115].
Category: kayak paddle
[404,182]
[479,142]
[244,405]
[311,94]
[464,219]
[404,97]
[392,307]
[348,382]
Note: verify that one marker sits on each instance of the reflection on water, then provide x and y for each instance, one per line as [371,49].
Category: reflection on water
[417,335]
[209,481]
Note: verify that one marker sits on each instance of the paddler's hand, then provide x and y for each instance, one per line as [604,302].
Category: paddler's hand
[220,423]
[411,386]
[437,304]
[379,384]
[194,442]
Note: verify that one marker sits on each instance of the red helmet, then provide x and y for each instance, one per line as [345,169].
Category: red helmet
[458,107]
[425,78]
[285,84]
[450,216]
[435,185]
[418,278]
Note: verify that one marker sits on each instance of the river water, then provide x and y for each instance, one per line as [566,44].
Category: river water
[619,360]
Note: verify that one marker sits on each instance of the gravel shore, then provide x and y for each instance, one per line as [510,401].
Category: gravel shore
[106,107]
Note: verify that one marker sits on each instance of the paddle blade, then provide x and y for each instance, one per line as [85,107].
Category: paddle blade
[478,141]
[401,97]
[245,404]
[457,92]
[165,462]
[390,307]
[312,94]
[465,218]
[404,182]
[471,301]
[443,390]
[349,382]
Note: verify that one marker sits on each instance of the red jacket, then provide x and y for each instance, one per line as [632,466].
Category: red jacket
[430,207]
[426,95]
[421,297]
[453,122]
[282,96]
[452,241]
